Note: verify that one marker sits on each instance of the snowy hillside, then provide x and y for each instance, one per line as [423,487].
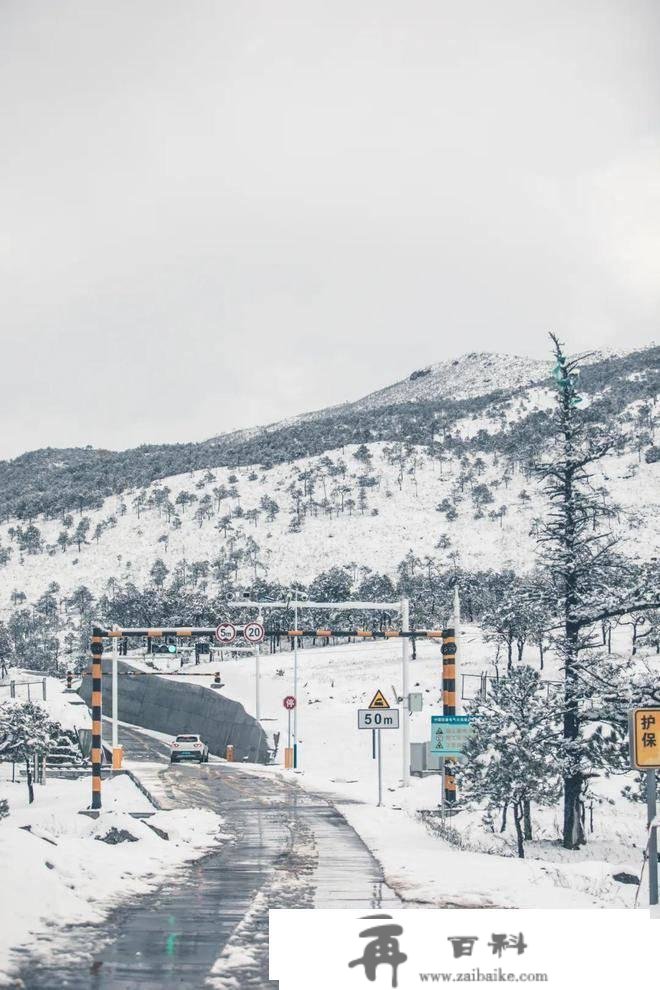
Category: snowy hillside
[381,522]
[466,496]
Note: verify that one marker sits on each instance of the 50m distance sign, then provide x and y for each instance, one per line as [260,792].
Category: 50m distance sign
[368,718]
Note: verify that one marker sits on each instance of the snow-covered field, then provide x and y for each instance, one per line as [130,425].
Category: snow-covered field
[476,866]
[53,871]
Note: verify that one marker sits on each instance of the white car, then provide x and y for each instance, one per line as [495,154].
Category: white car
[189,747]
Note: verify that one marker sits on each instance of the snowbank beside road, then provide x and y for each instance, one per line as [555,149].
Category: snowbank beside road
[426,869]
[59,873]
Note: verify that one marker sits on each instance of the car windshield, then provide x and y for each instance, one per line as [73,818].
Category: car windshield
[187,738]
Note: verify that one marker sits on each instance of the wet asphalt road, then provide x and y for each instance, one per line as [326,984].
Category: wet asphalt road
[287,849]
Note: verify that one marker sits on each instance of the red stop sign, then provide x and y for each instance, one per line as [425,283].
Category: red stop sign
[289,702]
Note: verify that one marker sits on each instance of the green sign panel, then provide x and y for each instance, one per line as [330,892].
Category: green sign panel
[449,734]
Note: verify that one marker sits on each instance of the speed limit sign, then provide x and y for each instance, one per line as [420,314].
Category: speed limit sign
[225,633]
[254,632]
[289,702]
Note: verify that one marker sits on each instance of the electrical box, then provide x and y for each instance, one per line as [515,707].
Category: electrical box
[423,761]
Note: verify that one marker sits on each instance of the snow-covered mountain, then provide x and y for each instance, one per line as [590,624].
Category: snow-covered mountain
[466,377]
[414,476]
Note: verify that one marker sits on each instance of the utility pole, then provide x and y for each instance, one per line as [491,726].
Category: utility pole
[116,756]
[405,690]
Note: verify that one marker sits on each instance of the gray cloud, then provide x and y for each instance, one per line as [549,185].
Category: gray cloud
[221,214]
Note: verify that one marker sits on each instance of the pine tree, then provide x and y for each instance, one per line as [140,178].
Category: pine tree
[26,731]
[588,581]
[363,455]
[513,756]
[158,572]
[82,529]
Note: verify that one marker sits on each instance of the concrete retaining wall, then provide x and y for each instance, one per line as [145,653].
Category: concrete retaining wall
[166,705]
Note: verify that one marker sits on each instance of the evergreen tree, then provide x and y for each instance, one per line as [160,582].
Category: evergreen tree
[334,585]
[30,539]
[158,573]
[585,575]
[363,455]
[270,507]
[81,600]
[26,731]
[513,756]
[82,529]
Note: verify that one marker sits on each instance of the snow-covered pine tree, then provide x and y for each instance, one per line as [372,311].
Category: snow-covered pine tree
[26,731]
[510,615]
[587,578]
[513,757]
[158,572]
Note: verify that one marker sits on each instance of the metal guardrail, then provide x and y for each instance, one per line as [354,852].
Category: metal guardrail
[30,686]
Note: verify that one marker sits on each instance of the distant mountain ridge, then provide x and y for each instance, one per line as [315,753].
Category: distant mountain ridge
[465,377]
[471,375]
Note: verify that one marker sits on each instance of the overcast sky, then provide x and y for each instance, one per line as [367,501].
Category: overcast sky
[218,214]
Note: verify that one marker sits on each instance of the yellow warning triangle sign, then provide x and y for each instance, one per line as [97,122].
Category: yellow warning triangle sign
[379,701]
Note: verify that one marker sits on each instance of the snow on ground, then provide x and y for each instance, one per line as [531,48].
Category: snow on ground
[471,866]
[67,709]
[57,871]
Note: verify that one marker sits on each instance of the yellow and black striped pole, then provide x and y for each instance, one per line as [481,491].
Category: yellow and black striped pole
[449,703]
[97,703]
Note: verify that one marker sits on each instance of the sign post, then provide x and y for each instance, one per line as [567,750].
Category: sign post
[380,770]
[290,704]
[651,788]
[644,724]
[378,716]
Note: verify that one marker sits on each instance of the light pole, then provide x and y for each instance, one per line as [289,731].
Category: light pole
[295,679]
[257,652]
[296,596]
[456,623]
[405,691]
